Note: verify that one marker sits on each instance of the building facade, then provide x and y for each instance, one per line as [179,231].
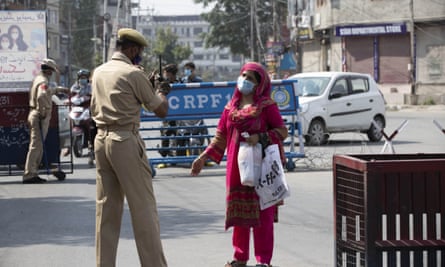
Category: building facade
[400,42]
[213,64]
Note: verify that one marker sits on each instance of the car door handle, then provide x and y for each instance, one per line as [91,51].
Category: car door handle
[371,100]
[348,104]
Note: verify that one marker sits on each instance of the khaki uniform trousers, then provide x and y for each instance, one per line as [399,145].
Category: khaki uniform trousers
[35,150]
[123,171]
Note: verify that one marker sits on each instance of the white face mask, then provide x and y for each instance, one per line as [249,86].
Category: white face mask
[245,86]
[188,72]
[83,82]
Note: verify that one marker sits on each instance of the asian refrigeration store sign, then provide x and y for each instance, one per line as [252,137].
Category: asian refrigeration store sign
[373,29]
[22,48]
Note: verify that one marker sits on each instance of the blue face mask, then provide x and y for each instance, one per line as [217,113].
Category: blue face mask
[83,82]
[245,86]
[187,72]
[137,59]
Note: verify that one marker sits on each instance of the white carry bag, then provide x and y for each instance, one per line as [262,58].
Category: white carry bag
[271,186]
[249,163]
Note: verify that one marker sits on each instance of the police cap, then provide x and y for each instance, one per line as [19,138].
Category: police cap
[48,63]
[132,35]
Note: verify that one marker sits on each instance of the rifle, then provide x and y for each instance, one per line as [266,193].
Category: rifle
[161,79]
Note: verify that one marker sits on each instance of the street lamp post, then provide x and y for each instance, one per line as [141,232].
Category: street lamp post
[70,39]
[105,32]
[411,66]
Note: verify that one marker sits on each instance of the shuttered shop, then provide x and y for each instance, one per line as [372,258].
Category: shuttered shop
[386,57]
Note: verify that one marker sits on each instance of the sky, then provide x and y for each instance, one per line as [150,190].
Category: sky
[172,7]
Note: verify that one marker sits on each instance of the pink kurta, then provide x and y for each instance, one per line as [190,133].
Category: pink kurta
[243,209]
[242,201]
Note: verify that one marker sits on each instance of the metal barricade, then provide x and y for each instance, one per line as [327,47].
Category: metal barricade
[206,101]
[14,135]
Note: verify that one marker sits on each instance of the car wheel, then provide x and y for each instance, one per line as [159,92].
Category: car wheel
[77,146]
[374,134]
[316,134]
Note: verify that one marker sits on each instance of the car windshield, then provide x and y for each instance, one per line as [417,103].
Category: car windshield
[311,86]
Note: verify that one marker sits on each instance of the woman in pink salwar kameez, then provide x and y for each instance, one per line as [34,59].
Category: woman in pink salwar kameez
[250,110]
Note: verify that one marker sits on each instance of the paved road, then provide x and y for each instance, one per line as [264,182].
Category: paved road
[53,224]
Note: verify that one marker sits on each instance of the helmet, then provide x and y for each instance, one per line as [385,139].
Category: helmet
[83,72]
[48,63]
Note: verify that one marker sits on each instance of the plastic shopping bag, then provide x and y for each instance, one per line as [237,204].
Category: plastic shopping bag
[249,163]
[271,186]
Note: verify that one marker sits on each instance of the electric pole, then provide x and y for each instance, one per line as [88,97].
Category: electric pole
[251,30]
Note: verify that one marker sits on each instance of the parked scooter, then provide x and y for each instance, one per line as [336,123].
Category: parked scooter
[189,138]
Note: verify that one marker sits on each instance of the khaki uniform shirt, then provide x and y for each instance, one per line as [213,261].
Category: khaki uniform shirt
[119,90]
[40,95]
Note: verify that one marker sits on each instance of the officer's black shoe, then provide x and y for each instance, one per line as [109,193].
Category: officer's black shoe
[60,175]
[34,180]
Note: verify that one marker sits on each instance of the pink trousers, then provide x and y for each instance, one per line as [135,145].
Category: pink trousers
[263,238]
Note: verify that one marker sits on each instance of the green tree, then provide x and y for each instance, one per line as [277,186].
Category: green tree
[166,45]
[230,24]
[80,15]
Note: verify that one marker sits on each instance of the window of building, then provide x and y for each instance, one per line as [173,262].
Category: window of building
[224,56]
[198,57]
[236,58]
[197,44]
[197,31]
[53,17]
[146,32]
[55,43]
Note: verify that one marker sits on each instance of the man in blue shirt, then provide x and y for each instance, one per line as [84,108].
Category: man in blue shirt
[189,74]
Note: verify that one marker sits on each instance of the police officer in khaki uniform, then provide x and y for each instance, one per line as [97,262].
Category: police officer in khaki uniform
[40,103]
[120,89]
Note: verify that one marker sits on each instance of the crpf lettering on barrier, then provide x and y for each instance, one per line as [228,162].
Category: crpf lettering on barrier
[195,101]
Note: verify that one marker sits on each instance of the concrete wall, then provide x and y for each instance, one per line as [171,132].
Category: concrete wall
[429,10]
[430,54]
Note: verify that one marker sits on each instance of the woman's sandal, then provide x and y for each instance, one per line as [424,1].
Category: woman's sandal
[236,264]
[263,265]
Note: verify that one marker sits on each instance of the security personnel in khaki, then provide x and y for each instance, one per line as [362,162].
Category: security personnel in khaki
[40,103]
[120,89]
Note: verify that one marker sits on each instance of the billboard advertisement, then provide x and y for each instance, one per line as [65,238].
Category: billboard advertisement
[22,47]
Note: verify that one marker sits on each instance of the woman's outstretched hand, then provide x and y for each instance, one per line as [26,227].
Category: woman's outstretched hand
[197,165]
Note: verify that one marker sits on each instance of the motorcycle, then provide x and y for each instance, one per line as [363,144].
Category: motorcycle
[82,124]
[191,137]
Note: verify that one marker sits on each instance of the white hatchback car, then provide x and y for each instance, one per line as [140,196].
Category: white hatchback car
[335,102]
